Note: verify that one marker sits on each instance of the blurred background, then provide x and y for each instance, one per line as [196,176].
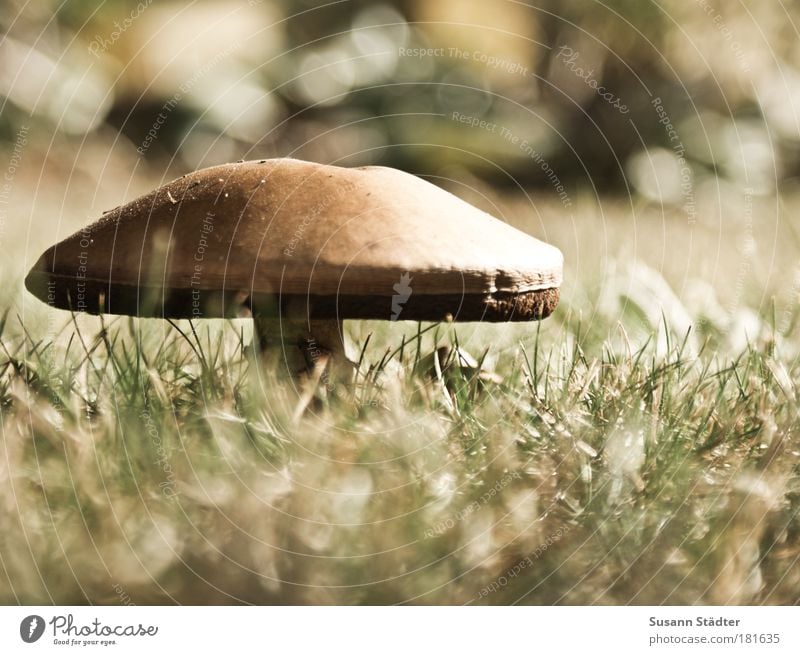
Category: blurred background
[662,134]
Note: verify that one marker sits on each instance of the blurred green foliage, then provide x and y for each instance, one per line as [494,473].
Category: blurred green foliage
[346,81]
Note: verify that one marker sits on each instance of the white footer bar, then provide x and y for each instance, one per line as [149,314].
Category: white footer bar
[400,630]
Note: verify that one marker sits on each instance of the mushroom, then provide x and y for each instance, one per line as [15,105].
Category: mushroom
[300,247]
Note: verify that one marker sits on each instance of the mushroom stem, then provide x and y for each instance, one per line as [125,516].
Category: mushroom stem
[300,347]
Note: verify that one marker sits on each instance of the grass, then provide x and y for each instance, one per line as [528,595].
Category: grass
[639,446]
[587,463]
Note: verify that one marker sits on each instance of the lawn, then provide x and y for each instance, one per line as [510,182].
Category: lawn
[640,446]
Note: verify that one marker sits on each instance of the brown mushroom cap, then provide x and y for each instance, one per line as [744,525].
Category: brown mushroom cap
[329,242]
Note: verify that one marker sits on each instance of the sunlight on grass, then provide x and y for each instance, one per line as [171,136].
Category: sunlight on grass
[561,463]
